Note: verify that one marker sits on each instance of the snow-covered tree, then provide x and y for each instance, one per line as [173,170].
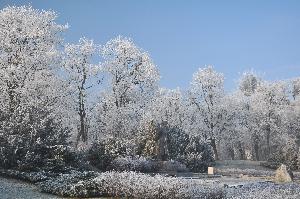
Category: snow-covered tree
[290,118]
[267,114]
[248,83]
[167,113]
[132,81]
[206,95]
[33,97]
[268,104]
[29,45]
[81,74]
[167,106]
[296,88]
[133,77]
[231,140]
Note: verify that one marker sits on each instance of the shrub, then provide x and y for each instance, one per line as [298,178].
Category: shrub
[26,148]
[130,184]
[177,142]
[26,176]
[198,156]
[286,154]
[162,141]
[142,164]
[172,166]
[102,153]
[64,184]
[133,164]
[99,157]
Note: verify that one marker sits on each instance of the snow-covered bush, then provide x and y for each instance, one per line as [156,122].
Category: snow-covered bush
[164,142]
[26,176]
[99,157]
[102,153]
[172,166]
[133,164]
[161,141]
[286,154]
[29,149]
[198,156]
[142,164]
[130,184]
[64,184]
[137,185]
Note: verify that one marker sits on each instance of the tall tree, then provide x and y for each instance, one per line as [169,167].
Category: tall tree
[132,81]
[206,95]
[29,42]
[248,84]
[167,113]
[81,72]
[34,108]
[268,103]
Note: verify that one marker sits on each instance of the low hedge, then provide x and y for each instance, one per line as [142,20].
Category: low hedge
[129,184]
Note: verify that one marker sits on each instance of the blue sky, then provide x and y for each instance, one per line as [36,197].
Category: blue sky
[182,36]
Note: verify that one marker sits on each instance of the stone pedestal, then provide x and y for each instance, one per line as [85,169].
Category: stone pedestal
[211,171]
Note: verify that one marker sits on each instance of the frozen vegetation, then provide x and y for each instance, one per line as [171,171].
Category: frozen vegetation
[131,184]
[137,185]
[88,120]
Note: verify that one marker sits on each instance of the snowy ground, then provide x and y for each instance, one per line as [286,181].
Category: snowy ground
[15,189]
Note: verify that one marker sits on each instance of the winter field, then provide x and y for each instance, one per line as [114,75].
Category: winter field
[91,120]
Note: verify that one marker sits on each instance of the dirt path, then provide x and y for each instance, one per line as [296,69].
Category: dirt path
[15,189]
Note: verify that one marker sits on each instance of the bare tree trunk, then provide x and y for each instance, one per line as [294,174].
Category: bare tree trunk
[82,115]
[162,142]
[231,153]
[268,135]
[214,146]
[256,147]
[82,133]
[241,151]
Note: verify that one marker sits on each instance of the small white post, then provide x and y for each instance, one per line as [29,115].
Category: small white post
[210,171]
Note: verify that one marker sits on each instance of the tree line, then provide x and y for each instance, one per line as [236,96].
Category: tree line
[55,95]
